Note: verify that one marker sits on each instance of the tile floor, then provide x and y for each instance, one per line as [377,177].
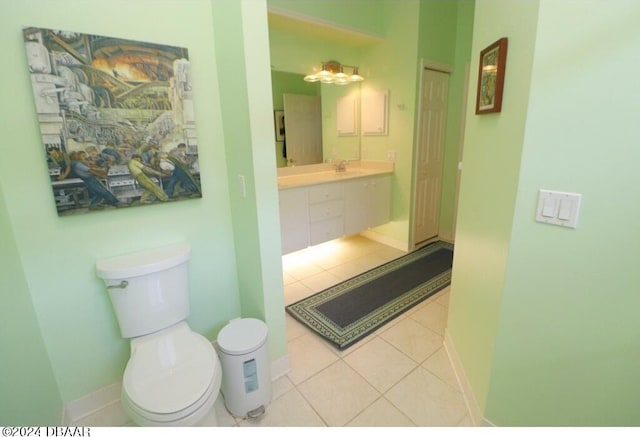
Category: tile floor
[398,376]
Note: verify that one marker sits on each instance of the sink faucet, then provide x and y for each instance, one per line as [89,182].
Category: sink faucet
[341,166]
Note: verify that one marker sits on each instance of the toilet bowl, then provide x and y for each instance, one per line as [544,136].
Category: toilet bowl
[172,378]
[173,375]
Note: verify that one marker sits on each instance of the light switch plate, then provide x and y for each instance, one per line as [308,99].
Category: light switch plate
[558,208]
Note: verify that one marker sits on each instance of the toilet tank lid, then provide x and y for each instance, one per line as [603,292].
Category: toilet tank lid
[143,262]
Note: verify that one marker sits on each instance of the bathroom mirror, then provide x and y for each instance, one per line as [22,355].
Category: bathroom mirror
[338,142]
[298,46]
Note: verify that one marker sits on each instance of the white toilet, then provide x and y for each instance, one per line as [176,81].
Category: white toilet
[173,376]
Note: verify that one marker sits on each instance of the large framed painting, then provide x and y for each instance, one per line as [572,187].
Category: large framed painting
[493,61]
[116,120]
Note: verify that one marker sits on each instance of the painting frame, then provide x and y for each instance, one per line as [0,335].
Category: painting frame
[491,74]
[278,123]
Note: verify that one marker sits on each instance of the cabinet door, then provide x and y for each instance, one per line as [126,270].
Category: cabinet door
[294,219]
[355,206]
[346,116]
[379,200]
[367,203]
[374,112]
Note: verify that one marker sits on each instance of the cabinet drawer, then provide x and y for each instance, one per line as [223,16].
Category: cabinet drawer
[325,210]
[326,230]
[321,193]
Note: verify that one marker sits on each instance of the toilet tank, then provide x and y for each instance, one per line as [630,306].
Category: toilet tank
[149,290]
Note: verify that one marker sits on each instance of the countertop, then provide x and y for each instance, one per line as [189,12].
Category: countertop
[292,177]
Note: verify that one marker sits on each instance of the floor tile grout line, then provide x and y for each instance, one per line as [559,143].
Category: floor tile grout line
[398,408]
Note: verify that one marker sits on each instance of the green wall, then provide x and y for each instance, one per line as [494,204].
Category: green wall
[585,346]
[28,391]
[545,318]
[290,83]
[437,31]
[234,239]
[303,54]
[491,157]
[247,119]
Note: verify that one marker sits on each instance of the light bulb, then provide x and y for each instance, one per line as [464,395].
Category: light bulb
[355,77]
[340,75]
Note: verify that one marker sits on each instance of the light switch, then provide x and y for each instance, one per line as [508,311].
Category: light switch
[558,208]
[549,207]
[564,213]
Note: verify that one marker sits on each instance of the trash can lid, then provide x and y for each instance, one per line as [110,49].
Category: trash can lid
[242,336]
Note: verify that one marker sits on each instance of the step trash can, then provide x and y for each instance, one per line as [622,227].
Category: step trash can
[246,369]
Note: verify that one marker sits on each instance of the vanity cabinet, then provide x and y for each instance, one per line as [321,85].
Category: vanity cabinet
[314,214]
[369,201]
[294,219]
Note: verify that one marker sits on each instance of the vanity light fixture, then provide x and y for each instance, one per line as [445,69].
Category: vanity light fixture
[333,72]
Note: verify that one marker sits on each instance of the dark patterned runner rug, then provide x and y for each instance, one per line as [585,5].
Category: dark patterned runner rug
[351,310]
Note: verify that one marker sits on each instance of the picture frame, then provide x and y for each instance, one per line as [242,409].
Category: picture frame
[278,120]
[491,73]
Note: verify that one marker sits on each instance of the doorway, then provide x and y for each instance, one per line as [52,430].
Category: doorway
[430,155]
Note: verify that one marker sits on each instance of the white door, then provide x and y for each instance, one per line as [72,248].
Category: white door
[303,128]
[430,155]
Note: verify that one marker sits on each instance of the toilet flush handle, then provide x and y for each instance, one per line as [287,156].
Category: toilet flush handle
[122,284]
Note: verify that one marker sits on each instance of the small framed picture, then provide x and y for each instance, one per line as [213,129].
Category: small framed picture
[279,124]
[493,61]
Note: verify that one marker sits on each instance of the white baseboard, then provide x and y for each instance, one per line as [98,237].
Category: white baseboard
[475,413]
[99,399]
[280,367]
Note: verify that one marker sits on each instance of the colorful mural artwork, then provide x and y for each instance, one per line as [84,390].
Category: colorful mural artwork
[116,119]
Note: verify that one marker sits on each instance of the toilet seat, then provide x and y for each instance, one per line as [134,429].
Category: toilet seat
[172,375]
[188,417]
